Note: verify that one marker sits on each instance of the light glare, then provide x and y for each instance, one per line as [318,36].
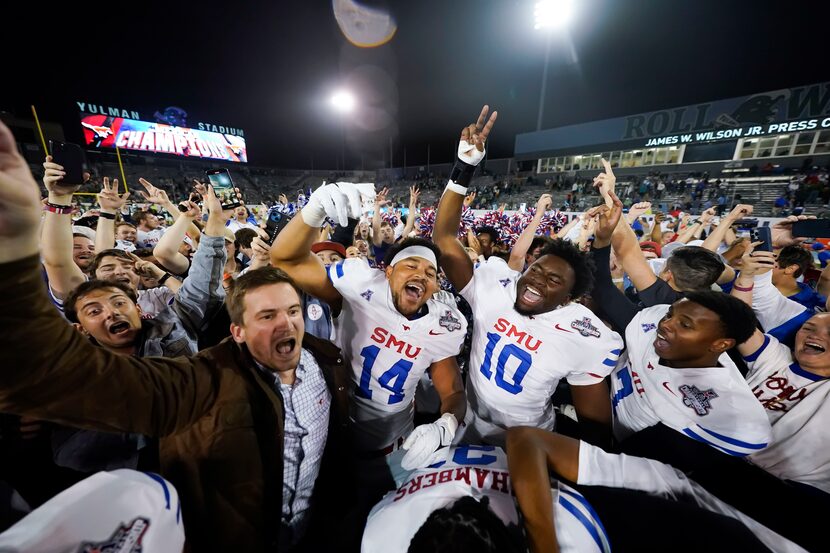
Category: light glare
[552,14]
[342,101]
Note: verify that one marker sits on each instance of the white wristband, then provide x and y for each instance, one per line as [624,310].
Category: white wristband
[457,188]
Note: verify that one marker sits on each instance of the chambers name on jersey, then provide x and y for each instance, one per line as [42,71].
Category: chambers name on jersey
[387,351]
[516,361]
[477,471]
[712,405]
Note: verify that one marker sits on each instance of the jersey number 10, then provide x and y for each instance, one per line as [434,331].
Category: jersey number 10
[393,379]
[507,351]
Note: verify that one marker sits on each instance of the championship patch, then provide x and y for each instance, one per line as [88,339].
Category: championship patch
[585,327]
[125,539]
[367,295]
[696,399]
[449,321]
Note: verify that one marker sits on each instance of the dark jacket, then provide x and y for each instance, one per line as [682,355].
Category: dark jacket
[220,424]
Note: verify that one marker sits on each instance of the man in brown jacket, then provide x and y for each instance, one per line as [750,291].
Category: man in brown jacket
[241,424]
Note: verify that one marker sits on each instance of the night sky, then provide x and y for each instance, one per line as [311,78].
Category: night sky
[269,67]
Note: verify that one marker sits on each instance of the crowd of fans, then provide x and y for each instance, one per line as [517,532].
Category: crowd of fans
[378,375]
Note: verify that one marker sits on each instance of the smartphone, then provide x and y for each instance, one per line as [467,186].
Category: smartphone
[812,228]
[222,184]
[763,235]
[72,158]
[275,223]
[745,223]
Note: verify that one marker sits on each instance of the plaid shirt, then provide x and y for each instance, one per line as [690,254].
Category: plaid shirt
[307,404]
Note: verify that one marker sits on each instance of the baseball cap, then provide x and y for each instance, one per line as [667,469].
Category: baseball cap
[318,247]
[126,508]
[650,245]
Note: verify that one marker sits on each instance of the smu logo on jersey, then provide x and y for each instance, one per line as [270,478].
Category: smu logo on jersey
[648,326]
[388,340]
[510,330]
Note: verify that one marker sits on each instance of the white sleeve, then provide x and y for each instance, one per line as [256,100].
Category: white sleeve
[351,277]
[598,468]
[772,308]
[771,356]
[486,275]
[597,357]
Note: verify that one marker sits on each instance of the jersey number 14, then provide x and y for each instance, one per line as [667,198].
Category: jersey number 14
[392,380]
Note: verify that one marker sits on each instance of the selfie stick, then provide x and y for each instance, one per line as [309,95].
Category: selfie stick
[40,131]
[120,166]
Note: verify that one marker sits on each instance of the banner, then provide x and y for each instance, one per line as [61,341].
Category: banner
[104,131]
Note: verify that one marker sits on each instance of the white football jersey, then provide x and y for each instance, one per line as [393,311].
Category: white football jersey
[797,403]
[121,510]
[516,361]
[712,405]
[387,351]
[479,472]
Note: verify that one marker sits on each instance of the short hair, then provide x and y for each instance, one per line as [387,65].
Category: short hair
[139,216]
[694,267]
[466,526]
[413,241]
[250,281]
[538,241]
[112,252]
[737,319]
[124,224]
[795,255]
[490,231]
[81,235]
[245,236]
[581,263]
[386,223]
[86,288]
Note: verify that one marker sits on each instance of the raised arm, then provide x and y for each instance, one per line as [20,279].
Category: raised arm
[111,203]
[380,201]
[752,264]
[166,251]
[59,374]
[517,254]
[454,260]
[202,293]
[617,308]
[414,193]
[291,251]
[56,235]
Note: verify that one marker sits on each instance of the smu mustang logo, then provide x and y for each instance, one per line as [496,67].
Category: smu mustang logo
[648,326]
[449,322]
[367,294]
[585,327]
[125,539]
[100,132]
[698,400]
[505,282]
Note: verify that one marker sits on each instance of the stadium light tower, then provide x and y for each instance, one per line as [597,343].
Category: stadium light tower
[549,15]
[342,101]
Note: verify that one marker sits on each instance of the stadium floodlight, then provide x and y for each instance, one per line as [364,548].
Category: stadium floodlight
[342,101]
[552,14]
